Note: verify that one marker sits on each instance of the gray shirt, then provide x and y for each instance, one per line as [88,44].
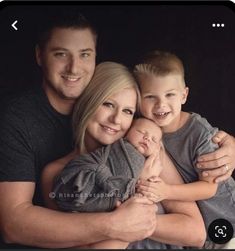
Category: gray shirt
[94,182]
[184,146]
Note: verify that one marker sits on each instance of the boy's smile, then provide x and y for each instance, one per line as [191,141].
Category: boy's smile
[162,98]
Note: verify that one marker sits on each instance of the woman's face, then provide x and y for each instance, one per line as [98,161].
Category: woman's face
[111,120]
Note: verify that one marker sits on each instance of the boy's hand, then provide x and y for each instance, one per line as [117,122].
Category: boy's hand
[222,161]
[154,189]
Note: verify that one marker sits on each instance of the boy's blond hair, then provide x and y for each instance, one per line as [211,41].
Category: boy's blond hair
[160,63]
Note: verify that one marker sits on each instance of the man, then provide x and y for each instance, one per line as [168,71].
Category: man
[35,129]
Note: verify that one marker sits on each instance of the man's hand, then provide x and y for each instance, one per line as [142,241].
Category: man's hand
[221,161]
[133,220]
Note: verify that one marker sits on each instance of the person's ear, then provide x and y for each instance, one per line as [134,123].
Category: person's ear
[185,95]
[38,55]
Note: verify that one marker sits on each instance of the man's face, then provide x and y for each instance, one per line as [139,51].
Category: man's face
[68,62]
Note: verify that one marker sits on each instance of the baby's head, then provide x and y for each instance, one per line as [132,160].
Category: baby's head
[145,136]
[161,80]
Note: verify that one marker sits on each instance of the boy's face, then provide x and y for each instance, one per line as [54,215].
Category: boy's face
[162,98]
[145,136]
[67,61]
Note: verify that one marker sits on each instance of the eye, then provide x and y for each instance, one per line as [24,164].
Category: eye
[60,54]
[154,139]
[170,95]
[108,104]
[85,55]
[141,132]
[151,97]
[128,111]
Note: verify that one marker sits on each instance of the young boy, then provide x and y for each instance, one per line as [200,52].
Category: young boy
[185,136]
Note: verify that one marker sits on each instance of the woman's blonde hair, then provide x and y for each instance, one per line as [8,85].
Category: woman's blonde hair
[109,78]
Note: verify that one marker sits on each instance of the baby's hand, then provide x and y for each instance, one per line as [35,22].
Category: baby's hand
[154,188]
[152,166]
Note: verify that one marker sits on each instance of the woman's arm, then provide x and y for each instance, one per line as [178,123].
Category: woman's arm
[49,173]
[218,159]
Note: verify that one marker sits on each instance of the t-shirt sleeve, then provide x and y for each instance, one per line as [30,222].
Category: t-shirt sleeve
[204,141]
[16,153]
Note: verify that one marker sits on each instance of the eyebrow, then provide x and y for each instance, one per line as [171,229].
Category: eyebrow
[131,108]
[64,49]
[170,90]
[87,49]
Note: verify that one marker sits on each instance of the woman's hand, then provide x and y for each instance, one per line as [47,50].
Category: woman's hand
[220,163]
[155,189]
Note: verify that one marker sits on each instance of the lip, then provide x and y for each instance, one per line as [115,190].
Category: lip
[70,79]
[161,115]
[143,145]
[109,129]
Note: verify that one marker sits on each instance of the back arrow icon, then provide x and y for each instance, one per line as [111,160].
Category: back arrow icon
[13,25]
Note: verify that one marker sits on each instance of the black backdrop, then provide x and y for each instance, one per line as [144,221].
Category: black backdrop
[126,30]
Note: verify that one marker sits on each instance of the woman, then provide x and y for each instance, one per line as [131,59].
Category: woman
[101,116]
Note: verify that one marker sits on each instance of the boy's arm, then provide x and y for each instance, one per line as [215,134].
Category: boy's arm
[198,190]
[157,190]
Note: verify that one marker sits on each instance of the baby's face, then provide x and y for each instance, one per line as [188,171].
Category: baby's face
[145,136]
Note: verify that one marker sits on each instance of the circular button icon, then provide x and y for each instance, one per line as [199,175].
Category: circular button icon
[220,231]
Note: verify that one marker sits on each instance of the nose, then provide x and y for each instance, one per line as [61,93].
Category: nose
[116,117]
[73,65]
[146,137]
[160,102]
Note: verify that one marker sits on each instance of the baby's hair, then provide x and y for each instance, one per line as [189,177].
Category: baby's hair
[143,118]
[160,63]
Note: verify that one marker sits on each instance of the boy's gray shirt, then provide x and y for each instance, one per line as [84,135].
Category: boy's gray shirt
[94,182]
[184,147]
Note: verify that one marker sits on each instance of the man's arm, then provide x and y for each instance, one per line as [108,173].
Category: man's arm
[182,219]
[218,159]
[24,223]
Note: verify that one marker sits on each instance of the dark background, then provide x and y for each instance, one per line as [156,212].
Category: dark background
[126,31]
